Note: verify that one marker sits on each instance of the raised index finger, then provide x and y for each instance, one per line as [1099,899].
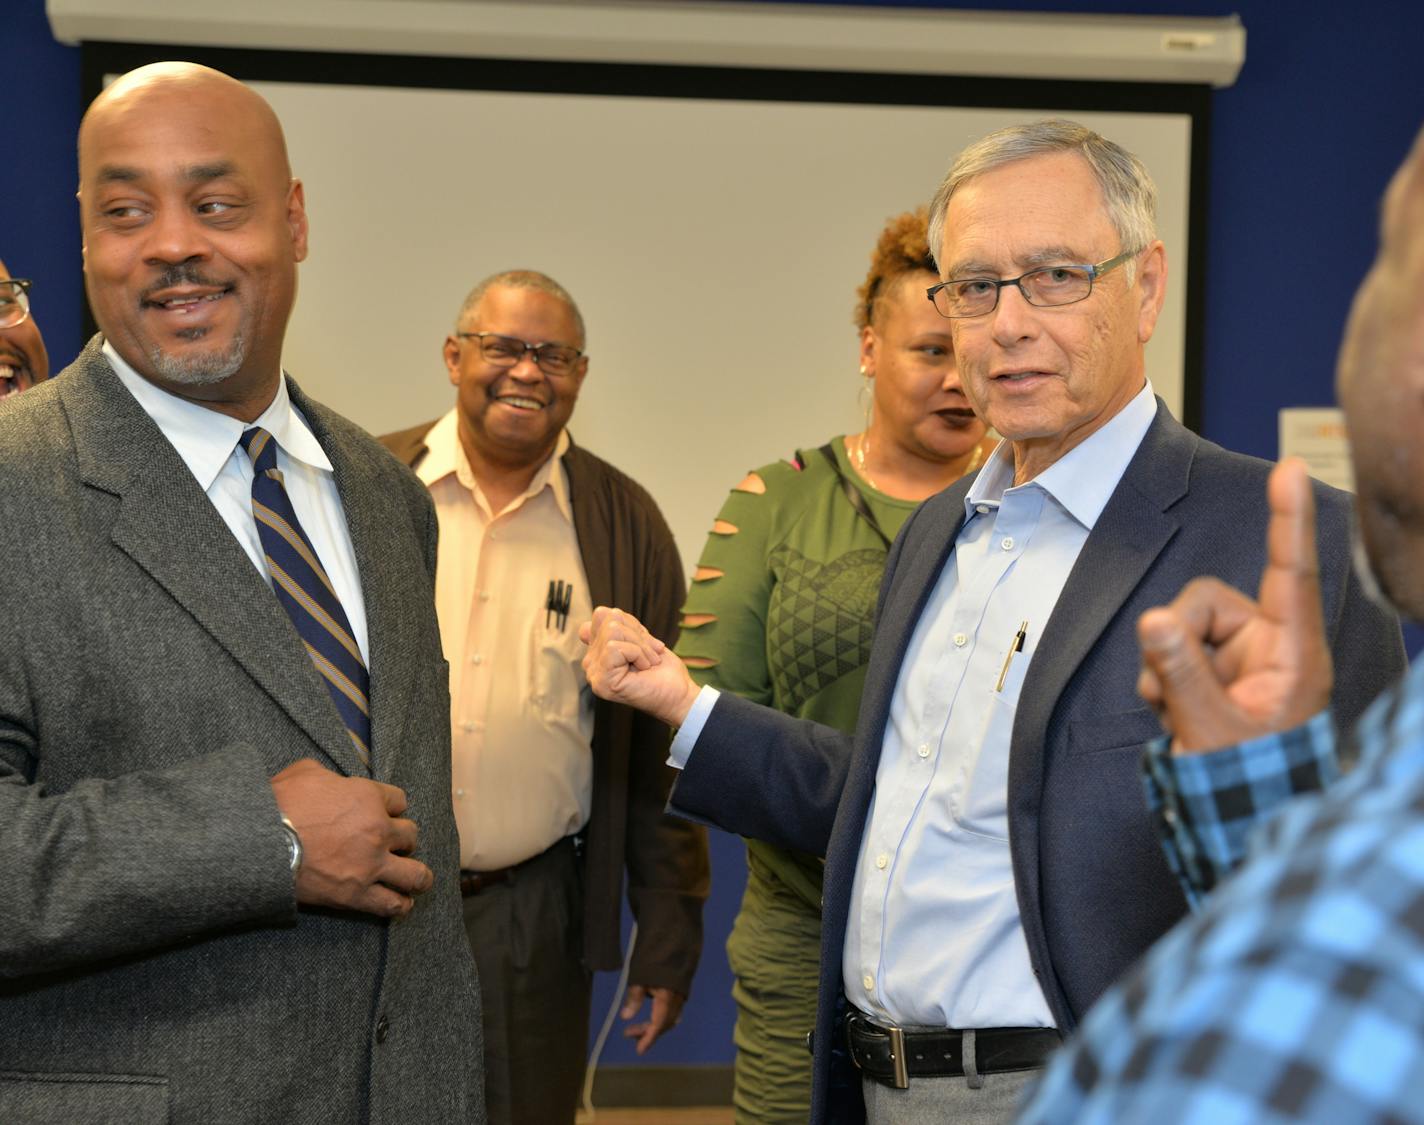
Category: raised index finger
[1290,584]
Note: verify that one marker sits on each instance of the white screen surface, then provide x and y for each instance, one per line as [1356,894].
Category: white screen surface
[714,248]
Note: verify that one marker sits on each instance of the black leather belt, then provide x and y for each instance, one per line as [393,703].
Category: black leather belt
[473,882]
[893,1056]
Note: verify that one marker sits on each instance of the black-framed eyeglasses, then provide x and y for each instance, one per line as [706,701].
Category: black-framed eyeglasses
[1048,287]
[14,301]
[507,351]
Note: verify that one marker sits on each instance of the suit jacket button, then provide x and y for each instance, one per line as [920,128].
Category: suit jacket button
[383,1028]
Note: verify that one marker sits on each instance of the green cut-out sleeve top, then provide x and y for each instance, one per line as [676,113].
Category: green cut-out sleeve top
[792,612]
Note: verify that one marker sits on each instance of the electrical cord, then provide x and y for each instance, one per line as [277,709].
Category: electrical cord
[590,1113]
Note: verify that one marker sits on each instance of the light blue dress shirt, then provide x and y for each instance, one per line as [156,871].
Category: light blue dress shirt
[207,443]
[934,937]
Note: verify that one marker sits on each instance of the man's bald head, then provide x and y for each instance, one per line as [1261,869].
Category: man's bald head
[1380,380]
[193,227]
[140,90]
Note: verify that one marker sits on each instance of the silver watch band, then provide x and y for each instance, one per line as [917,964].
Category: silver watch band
[294,844]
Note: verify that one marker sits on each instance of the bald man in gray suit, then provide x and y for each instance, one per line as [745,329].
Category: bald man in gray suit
[213,834]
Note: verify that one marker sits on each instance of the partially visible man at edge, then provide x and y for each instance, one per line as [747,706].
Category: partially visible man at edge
[556,793]
[1298,992]
[990,867]
[223,772]
[23,359]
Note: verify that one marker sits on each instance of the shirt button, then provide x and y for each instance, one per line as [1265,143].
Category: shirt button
[383,1028]
[982,509]
[869,982]
[960,640]
[484,595]
[882,860]
[459,792]
[477,659]
[467,726]
[924,750]
[1008,543]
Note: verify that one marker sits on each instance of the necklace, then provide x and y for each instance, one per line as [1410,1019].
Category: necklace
[862,446]
[862,442]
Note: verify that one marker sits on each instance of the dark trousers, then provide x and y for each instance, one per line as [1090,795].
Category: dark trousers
[527,938]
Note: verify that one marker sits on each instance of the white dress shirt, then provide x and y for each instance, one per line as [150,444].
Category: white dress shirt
[208,444]
[934,937]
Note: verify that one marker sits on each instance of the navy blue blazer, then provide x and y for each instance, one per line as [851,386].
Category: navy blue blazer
[1093,887]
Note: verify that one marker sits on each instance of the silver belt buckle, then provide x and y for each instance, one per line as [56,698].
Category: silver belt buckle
[897,1058]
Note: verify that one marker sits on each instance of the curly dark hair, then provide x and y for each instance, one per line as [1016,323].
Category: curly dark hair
[903,248]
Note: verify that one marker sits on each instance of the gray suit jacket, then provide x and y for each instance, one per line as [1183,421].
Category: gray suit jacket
[153,963]
[1093,888]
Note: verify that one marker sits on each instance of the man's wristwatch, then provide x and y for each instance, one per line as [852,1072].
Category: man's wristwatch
[294,844]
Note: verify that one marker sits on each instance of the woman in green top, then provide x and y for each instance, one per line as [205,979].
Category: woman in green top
[780,612]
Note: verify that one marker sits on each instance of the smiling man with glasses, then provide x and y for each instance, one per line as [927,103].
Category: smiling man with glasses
[991,866]
[23,359]
[556,793]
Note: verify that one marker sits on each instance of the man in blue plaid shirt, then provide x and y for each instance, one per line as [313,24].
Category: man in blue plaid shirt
[1297,993]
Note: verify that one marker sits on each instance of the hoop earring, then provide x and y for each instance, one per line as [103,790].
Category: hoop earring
[866,398]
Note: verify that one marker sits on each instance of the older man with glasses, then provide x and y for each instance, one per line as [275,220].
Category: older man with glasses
[990,865]
[23,359]
[556,794]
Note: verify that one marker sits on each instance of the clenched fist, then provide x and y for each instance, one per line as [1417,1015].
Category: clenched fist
[627,664]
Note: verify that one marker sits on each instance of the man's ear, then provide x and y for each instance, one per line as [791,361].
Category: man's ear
[451,352]
[1152,287]
[297,219]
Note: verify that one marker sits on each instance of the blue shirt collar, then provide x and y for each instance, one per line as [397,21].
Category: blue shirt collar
[1083,479]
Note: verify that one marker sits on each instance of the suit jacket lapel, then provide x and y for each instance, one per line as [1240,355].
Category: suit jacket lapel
[169,527]
[393,585]
[1130,534]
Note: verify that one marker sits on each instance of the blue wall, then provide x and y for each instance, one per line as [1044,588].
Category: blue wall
[1302,147]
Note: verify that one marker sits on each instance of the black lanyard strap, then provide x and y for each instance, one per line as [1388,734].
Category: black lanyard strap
[853,494]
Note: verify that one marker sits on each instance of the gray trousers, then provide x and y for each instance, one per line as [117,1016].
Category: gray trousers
[527,938]
[974,1099]
[948,1101]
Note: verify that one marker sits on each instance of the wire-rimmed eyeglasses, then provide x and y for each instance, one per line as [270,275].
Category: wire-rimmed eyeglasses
[14,301]
[1046,287]
[507,351]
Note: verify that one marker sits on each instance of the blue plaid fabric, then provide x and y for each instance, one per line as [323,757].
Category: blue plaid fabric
[1297,994]
[1206,805]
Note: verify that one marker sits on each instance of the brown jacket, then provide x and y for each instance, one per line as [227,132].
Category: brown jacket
[631,562]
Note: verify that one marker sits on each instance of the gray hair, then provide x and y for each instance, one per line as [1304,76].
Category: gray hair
[521,279]
[1129,195]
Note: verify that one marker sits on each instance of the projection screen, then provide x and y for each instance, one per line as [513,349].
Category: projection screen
[714,243]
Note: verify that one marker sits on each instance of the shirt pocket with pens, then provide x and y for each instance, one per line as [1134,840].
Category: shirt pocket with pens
[556,660]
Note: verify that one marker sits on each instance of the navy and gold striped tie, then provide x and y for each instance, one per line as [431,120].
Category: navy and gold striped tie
[306,593]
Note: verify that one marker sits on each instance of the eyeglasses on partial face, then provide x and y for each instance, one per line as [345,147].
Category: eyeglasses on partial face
[507,351]
[14,301]
[1048,287]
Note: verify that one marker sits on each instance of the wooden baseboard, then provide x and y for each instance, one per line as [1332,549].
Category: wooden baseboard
[662,1086]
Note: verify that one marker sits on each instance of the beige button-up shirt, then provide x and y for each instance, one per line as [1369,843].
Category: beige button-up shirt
[521,711]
